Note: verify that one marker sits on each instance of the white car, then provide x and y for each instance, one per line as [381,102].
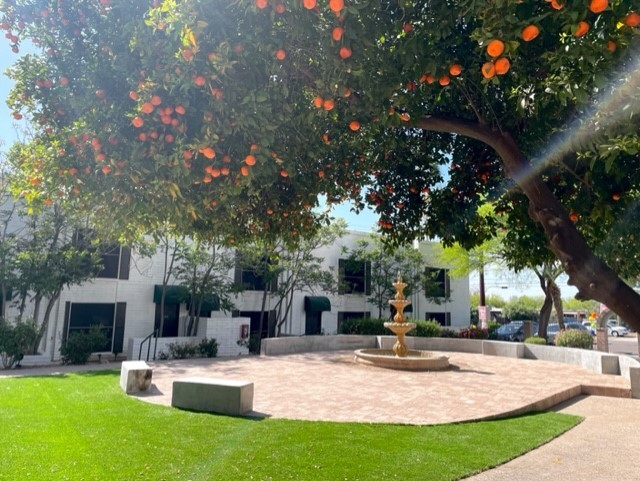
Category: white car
[616,331]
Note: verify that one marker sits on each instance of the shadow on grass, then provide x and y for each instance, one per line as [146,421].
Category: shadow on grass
[66,375]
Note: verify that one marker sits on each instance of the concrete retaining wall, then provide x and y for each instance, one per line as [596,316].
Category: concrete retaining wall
[294,345]
[473,346]
[596,361]
[503,349]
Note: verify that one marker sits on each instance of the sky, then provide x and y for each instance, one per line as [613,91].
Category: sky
[503,283]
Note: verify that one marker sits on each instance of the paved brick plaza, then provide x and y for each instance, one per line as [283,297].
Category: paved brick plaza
[330,386]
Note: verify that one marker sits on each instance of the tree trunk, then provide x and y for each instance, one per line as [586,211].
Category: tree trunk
[588,273]
[556,295]
[545,311]
[45,322]
[483,298]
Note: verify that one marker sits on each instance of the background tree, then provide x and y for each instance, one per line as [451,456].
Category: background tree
[7,245]
[302,271]
[239,113]
[51,255]
[204,269]
[463,261]
[385,266]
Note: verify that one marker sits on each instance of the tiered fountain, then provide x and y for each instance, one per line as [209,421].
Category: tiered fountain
[401,357]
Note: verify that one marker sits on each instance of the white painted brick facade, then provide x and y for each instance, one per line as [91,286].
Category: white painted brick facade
[137,293]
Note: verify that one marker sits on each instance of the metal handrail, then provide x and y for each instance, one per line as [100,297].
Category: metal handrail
[154,334]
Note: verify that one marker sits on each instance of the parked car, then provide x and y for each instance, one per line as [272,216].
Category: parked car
[513,331]
[616,331]
[554,328]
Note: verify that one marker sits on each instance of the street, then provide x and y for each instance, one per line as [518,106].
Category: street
[624,345]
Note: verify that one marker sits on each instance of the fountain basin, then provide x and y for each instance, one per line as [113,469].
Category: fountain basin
[414,360]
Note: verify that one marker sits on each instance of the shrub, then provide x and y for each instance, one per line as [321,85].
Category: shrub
[208,348]
[450,333]
[473,333]
[15,340]
[252,343]
[426,329]
[535,340]
[373,327]
[182,351]
[574,338]
[78,347]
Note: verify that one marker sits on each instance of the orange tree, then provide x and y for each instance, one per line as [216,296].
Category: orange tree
[231,117]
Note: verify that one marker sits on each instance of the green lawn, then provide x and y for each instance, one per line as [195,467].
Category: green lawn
[83,427]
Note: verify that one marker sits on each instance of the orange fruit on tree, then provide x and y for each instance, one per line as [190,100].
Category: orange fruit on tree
[328,104]
[557,5]
[137,122]
[106,169]
[280,8]
[318,102]
[583,28]
[224,170]
[632,19]
[208,152]
[345,52]
[444,80]
[404,117]
[281,54]
[156,100]
[455,69]
[495,48]
[215,172]
[337,33]
[346,91]
[616,197]
[574,217]
[133,95]
[529,33]
[597,6]
[354,125]
[502,65]
[250,160]
[336,5]
[488,70]
[284,173]
[611,45]
[146,107]
[244,170]
[261,4]
[309,4]
[199,80]
[180,110]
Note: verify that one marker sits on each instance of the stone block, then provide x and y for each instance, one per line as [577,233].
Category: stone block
[221,396]
[135,376]
[634,378]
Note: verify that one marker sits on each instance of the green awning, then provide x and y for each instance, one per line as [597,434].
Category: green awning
[173,294]
[317,304]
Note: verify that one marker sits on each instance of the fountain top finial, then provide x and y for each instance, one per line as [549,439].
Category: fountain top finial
[399,285]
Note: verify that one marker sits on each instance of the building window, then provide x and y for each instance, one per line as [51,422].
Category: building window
[115,262]
[250,278]
[354,277]
[436,283]
[85,315]
[442,318]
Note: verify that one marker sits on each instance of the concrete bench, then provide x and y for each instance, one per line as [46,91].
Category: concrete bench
[135,376]
[204,394]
